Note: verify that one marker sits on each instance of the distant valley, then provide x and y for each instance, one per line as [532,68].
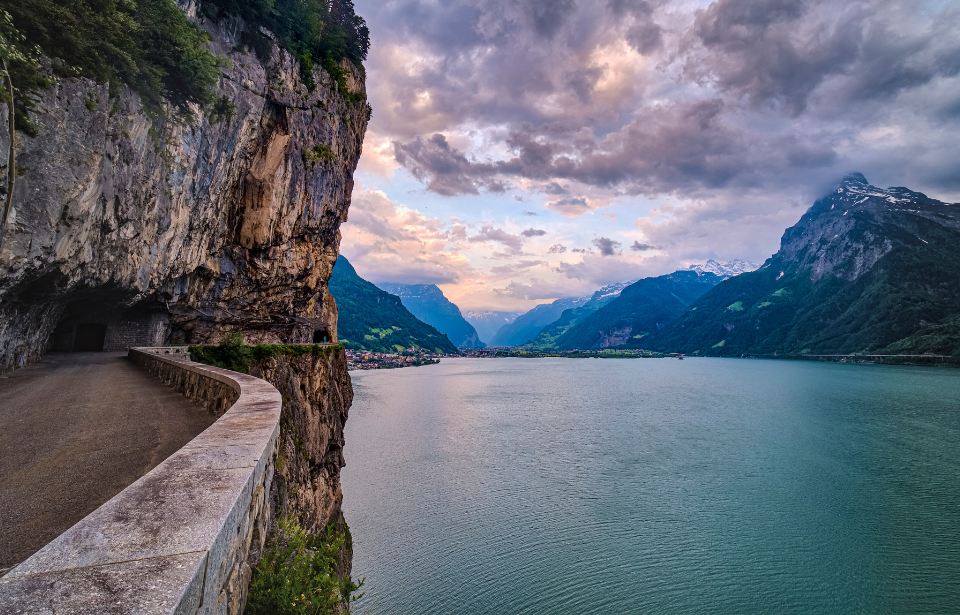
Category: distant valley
[428,303]
[865,270]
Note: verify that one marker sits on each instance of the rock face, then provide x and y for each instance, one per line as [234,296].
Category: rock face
[317,395]
[127,231]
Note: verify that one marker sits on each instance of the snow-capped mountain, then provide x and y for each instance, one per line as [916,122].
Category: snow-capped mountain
[608,292]
[724,270]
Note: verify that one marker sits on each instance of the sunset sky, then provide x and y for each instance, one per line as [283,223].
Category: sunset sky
[522,151]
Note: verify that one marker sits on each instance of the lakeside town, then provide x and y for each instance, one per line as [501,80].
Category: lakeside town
[410,357]
[416,357]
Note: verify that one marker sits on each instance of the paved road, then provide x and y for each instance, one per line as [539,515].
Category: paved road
[75,430]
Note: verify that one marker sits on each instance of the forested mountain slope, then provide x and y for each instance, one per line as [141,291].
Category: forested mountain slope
[372,319]
[641,309]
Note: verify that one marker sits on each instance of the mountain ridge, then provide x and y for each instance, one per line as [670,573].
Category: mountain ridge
[373,319]
[865,269]
[428,303]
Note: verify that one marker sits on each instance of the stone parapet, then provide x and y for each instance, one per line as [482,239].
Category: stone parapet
[183,538]
[216,389]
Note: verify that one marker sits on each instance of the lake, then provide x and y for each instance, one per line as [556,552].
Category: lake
[583,486]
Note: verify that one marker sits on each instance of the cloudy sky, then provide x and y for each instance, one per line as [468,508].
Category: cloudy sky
[525,150]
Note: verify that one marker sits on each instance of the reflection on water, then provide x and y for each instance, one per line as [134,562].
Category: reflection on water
[614,486]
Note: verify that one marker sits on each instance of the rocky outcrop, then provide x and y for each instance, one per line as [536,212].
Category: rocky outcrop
[147,232]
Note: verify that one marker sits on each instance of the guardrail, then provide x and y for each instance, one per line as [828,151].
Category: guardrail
[183,538]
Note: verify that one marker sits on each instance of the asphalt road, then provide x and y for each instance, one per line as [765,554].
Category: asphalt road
[75,429]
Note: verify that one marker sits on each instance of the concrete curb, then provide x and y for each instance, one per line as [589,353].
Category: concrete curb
[179,539]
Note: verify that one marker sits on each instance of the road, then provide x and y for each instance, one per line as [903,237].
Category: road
[75,429]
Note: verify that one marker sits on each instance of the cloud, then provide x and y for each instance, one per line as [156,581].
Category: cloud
[555,189]
[780,52]
[544,91]
[533,232]
[570,207]
[607,246]
[709,125]
[489,233]
[557,248]
[386,241]
[515,267]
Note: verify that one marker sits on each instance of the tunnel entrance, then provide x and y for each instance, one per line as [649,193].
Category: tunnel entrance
[320,336]
[90,337]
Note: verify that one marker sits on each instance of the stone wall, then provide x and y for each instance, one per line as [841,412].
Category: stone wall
[212,389]
[185,537]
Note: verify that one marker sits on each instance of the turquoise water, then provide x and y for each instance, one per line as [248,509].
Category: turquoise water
[655,486]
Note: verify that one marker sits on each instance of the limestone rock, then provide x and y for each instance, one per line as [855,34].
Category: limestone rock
[182,230]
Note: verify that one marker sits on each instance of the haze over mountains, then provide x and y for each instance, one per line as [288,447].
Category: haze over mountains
[487,323]
[428,303]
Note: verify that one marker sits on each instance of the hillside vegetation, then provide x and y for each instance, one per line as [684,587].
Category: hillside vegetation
[151,46]
[372,319]
[641,309]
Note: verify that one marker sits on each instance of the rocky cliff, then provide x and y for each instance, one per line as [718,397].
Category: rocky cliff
[144,232]
[317,394]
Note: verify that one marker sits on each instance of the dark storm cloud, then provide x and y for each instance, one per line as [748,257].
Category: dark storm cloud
[558,248]
[781,51]
[555,189]
[607,246]
[758,94]
[533,232]
[642,247]
[664,149]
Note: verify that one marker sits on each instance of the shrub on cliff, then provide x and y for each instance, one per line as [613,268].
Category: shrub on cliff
[149,45]
[297,574]
[315,31]
[234,355]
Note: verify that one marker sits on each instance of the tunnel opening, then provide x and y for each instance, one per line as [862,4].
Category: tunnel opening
[90,337]
[320,336]
[105,319]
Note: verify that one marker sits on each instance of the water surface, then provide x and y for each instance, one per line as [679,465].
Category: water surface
[651,486]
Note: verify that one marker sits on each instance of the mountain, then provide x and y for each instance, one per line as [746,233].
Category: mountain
[527,325]
[428,303]
[865,269]
[547,336]
[487,323]
[371,319]
[725,270]
[640,309]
